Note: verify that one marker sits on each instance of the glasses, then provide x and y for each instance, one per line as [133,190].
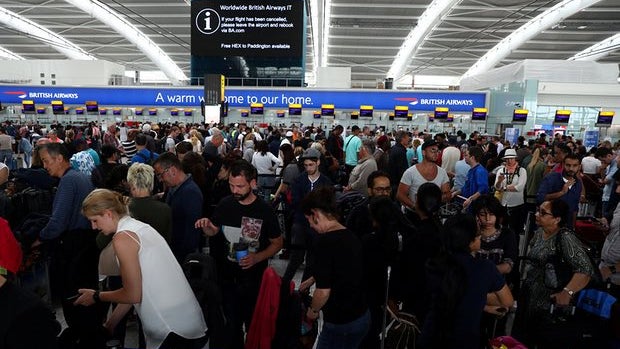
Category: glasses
[159,175]
[382,189]
[542,212]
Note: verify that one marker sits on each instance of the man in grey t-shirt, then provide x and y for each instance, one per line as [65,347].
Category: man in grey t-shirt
[426,171]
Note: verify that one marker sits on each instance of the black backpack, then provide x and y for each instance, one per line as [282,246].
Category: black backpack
[347,202]
[201,274]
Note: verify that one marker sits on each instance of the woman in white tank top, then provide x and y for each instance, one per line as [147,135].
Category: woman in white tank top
[153,281]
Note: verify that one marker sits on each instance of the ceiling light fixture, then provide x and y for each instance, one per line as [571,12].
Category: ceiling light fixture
[36,31]
[112,18]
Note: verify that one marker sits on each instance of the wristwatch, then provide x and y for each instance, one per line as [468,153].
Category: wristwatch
[96,297]
[612,269]
[569,291]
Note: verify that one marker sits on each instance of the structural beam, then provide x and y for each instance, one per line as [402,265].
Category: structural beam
[38,32]
[426,22]
[598,50]
[527,31]
[113,19]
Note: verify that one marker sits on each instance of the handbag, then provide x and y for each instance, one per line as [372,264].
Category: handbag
[596,302]
[107,261]
[558,271]
[506,342]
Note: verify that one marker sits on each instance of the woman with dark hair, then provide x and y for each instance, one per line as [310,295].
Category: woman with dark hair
[220,188]
[338,274]
[498,243]
[266,165]
[383,247]
[553,241]
[290,171]
[111,159]
[461,287]
[425,245]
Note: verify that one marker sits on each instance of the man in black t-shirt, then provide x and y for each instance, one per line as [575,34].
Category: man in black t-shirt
[241,219]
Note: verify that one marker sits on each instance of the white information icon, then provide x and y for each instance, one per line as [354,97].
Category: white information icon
[207,21]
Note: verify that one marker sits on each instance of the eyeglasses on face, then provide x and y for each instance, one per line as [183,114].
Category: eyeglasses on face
[382,189]
[159,175]
[542,212]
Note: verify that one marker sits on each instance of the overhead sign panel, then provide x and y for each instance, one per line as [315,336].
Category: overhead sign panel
[242,97]
[253,28]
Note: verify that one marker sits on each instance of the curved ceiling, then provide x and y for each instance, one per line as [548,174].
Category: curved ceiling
[364,34]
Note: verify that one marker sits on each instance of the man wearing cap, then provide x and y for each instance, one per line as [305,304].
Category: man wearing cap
[509,185]
[25,321]
[301,233]
[288,138]
[398,158]
[426,171]
[352,145]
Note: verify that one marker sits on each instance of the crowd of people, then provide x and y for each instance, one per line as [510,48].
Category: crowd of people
[432,223]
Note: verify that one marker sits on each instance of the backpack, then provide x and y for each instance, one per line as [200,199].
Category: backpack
[348,201]
[201,273]
[149,161]
[160,145]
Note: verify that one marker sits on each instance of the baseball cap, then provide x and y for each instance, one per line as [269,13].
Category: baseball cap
[310,153]
[429,143]
[289,134]
[10,253]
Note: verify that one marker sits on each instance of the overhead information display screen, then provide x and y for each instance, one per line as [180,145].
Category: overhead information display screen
[253,28]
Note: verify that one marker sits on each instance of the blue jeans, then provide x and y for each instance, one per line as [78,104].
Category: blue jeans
[344,336]
[6,156]
[265,187]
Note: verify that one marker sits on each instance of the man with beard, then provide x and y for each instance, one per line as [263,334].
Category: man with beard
[243,234]
[565,186]
[359,220]
[185,200]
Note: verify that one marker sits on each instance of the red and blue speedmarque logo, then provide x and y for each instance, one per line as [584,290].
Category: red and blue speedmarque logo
[410,100]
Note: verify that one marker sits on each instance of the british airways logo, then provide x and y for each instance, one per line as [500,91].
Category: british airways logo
[20,94]
[410,100]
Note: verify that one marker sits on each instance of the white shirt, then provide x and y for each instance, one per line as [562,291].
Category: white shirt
[414,179]
[265,164]
[512,198]
[590,165]
[168,302]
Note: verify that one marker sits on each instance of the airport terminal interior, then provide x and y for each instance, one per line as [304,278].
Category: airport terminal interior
[185,160]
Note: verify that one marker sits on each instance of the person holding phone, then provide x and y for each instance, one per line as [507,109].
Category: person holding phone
[153,281]
[566,186]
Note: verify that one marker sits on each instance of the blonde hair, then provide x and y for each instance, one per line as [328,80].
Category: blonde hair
[141,176]
[100,200]
[535,159]
[318,146]
[193,136]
